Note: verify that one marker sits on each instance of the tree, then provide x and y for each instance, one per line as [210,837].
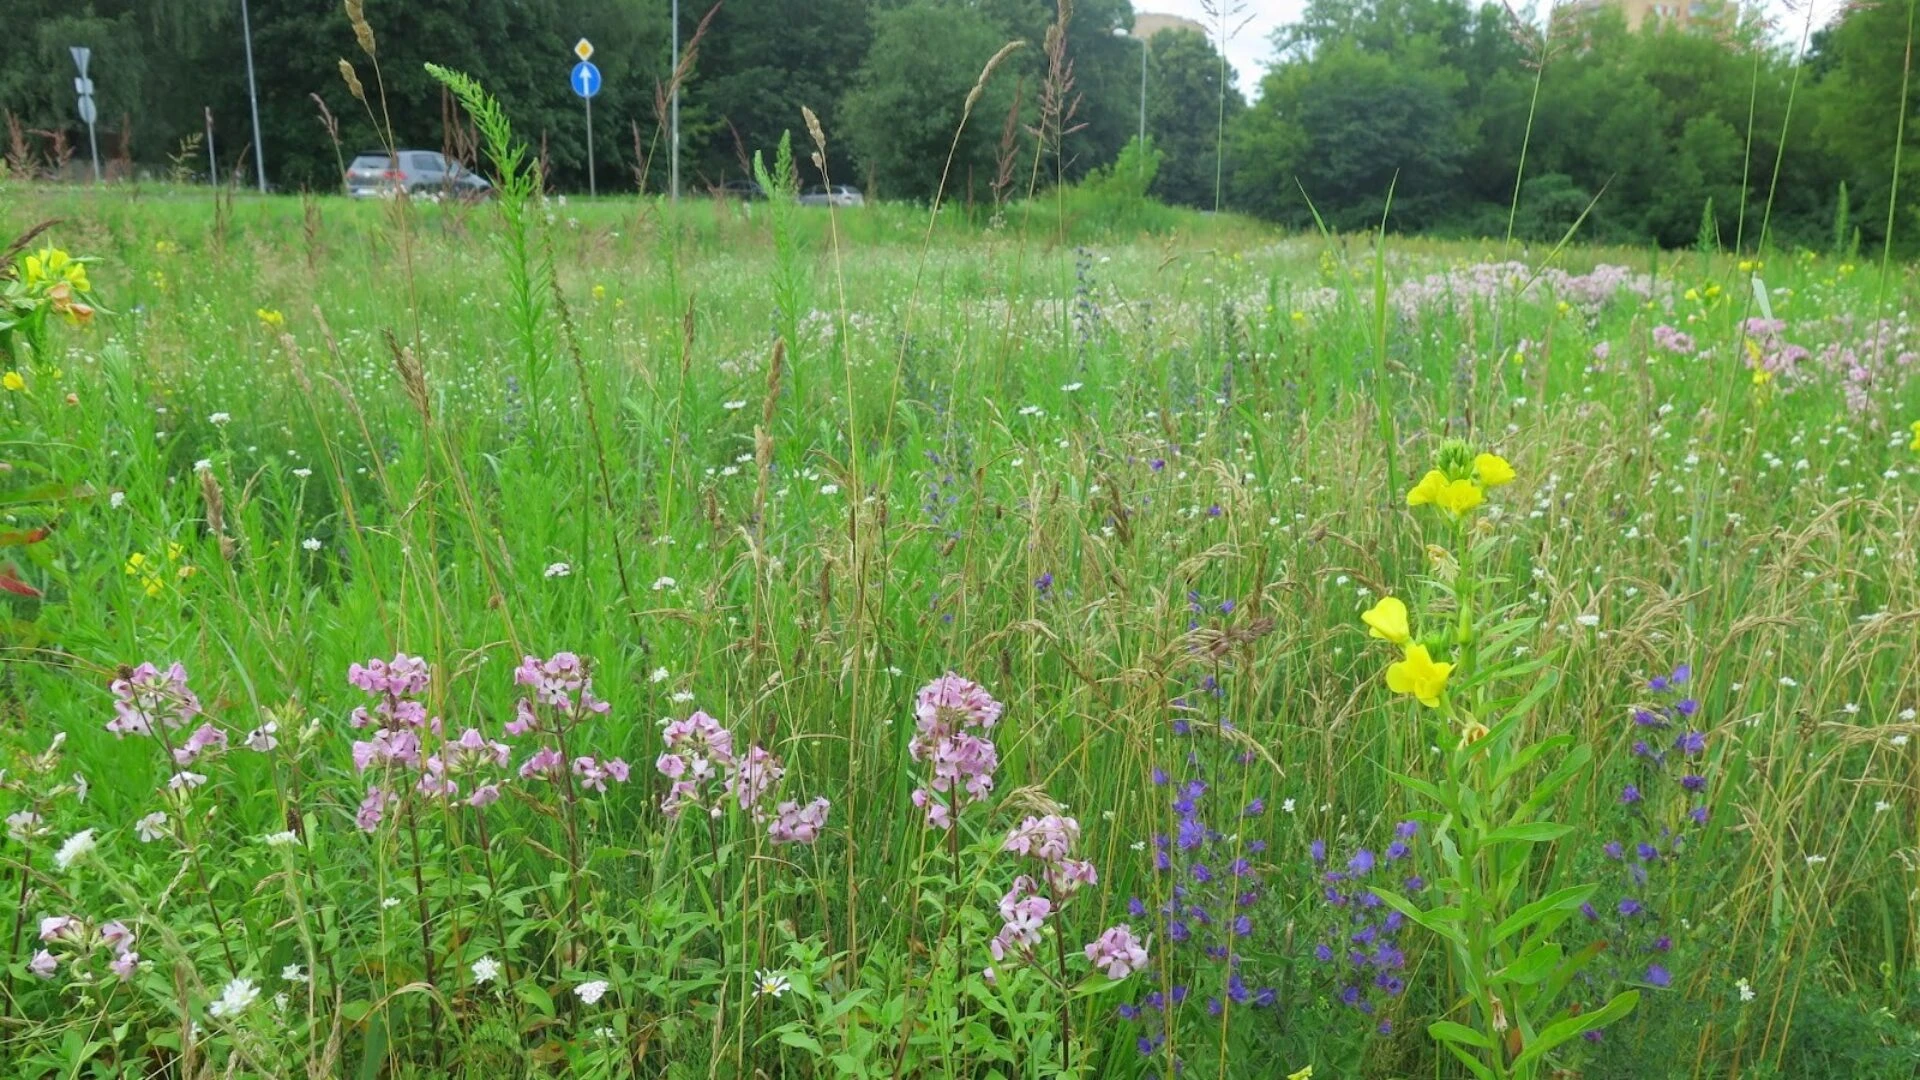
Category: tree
[1183,99]
[909,96]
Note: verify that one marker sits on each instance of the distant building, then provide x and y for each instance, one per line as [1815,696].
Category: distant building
[1147,23]
[1679,14]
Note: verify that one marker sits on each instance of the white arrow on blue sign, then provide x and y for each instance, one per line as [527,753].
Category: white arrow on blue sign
[585,79]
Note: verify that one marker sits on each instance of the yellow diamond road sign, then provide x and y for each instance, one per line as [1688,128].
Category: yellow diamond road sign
[583,49]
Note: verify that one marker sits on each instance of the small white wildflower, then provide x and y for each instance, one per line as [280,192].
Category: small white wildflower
[1587,619]
[664,584]
[1882,806]
[681,697]
[235,998]
[219,419]
[486,969]
[770,983]
[1899,740]
[1907,715]
[117,500]
[1788,681]
[592,992]
[152,827]
[1072,387]
[659,675]
[829,489]
[1137,845]
[1816,860]
[1286,806]
[558,569]
[1851,708]
[203,465]
[280,839]
[302,473]
[310,544]
[735,405]
[281,1001]
[1746,989]
[293,974]
[390,902]
[77,847]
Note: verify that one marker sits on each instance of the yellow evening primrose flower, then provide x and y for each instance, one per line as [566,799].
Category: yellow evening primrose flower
[1388,620]
[1914,445]
[1492,470]
[599,292]
[1420,676]
[1459,496]
[1428,490]
[270,317]
[1693,294]
[52,265]
[12,381]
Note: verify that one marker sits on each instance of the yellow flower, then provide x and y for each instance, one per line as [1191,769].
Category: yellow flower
[1748,266]
[1492,470]
[1845,269]
[1693,294]
[1459,496]
[599,292]
[53,266]
[1303,1074]
[12,381]
[1428,490]
[1761,376]
[1299,316]
[1915,444]
[1388,618]
[1472,732]
[270,317]
[1420,676]
[1713,291]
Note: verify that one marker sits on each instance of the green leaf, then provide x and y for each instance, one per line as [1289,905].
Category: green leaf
[1472,1063]
[1530,832]
[1527,755]
[1562,900]
[535,996]
[1533,965]
[800,1040]
[1428,790]
[1560,1031]
[1448,1031]
[1437,920]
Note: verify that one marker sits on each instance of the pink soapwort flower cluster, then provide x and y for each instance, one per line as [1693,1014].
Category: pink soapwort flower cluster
[561,699]
[951,713]
[472,756]
[147,697]
[70,938]
[1673,340]
[397,716]
[703,771]
[559,683]
[205,739]
[1023,914]
[1117,952]
[796,824]
[1050,839]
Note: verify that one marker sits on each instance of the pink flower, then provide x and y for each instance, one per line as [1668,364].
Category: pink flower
[754,776]
[556,680]
[206,737]
[681,795]
[146,696]
[1024,912]
[1049,839]
[43,964]
[117,936]
[619,770]
[794,824]
[61,928]
[403,676]
[1068,875]
[483,796]
[1117,952]
[125,965]
[944,711]
[372,809]
[545,762]
[953,702]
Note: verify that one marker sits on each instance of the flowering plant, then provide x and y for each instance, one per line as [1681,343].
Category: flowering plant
[1488,822]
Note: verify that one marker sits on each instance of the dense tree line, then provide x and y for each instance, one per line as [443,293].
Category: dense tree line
[1672,136]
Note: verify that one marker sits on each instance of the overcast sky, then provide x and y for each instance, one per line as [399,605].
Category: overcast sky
[1252,49]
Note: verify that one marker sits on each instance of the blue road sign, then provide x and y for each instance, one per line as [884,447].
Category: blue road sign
[585,79]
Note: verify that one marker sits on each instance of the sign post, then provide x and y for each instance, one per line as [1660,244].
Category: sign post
[586,82]
[89,113]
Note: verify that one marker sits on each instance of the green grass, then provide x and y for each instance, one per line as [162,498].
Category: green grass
[958,412]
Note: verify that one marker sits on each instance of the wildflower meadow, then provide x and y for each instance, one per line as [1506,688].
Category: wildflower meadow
[620,638]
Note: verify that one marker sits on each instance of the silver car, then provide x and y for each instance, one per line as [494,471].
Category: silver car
[833,195]
[378,174]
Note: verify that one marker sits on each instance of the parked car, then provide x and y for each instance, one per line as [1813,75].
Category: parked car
[377,174]
[833,195]
[744,190]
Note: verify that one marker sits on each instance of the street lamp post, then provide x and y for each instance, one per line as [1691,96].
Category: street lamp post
[253,102]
